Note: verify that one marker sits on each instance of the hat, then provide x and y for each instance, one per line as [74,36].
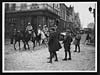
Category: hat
[28,23]
[39,25]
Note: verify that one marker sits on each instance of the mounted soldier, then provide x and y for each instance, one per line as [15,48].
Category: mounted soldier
[29,29]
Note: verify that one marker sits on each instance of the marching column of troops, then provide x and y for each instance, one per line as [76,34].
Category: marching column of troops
[54,44]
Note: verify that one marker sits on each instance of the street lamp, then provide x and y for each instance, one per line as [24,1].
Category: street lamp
[93,12]
[90,9]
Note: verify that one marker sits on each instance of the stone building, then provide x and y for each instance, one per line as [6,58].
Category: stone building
[18,15]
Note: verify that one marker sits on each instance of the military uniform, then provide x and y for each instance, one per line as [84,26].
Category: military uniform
[29,28]
[67,42]
[77,42]
[53,45]
[13,35]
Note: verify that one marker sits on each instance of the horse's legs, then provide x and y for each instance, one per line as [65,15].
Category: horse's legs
[33,43]
[19,44]
[39,42]
[28,45]
[14,44]
[24,45]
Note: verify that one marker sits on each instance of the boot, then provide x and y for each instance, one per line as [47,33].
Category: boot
[69,59]
[50,62]
[56,59]
[75,51]
[65,59]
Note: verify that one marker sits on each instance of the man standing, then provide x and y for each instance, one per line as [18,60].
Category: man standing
[53,44]
[67,42]
[13,35]
[77,42]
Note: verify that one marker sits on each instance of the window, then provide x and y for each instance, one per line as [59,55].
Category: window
[23,6]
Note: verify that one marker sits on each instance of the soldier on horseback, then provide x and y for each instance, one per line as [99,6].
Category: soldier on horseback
[29,29]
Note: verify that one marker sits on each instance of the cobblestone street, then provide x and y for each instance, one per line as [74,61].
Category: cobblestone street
[36,60]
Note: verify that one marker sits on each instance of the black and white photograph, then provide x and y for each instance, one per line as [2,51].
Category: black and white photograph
[49,37]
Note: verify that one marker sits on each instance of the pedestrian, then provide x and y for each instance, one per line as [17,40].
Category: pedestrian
[77,42]
[13,35]
[87,38]
[67,43]
[53,44]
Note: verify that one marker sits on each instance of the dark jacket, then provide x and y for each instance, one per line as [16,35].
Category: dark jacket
[53,42]
[77,39]
[67,41]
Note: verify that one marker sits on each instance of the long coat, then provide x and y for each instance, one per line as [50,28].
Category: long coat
[67,42]
[77,40]
[53,42]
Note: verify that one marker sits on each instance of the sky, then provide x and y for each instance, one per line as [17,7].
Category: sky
[82,8]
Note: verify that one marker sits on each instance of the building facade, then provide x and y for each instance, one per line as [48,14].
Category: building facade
[19,15]
[63,18]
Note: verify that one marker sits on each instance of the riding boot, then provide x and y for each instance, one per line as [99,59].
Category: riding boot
[51,55]
[65,56]
[69,55]
[55,54]
[79,48]
[75,48]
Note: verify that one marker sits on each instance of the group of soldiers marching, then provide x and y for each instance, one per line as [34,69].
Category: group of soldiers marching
[54,45]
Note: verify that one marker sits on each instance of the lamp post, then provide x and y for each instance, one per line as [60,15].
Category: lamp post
[93,12]
[90,9]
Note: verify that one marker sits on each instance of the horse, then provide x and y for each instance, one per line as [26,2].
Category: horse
[38,37]
[18,36]
[25,37]
[42,37]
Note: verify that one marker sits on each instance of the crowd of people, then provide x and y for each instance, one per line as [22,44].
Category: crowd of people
[53,41]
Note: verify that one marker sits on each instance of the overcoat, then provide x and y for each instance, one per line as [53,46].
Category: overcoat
[77,40]
[67,42]
[53,42]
